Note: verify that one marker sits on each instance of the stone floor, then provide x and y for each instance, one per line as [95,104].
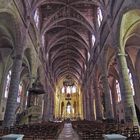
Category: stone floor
[68,133]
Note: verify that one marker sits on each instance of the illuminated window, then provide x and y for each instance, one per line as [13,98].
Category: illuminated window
[68,89]
[110,96]
[93,40]
[99,16]
[118,90]
[36,18]
[8,79]
[63,90]
[68,109]
[27,98]
[43,40]
[131,82]
[74,89]
[88,56]
[19,93]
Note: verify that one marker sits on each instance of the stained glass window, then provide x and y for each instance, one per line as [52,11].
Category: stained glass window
[118,91]
[19,93]
[63,90]
[43,40]
[69,109]
[131,82]
[36,18]
[27,98]
[8,79]
[88,56]
[73,89]
[99,16]
[93,40]
[68,89]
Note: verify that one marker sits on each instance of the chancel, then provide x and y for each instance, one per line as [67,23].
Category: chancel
[69,69]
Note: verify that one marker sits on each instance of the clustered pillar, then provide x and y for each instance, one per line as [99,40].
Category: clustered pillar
[98,104]
[48,112]
[91,95]
[10,112]
[106,90]
[127,96]
[13,92]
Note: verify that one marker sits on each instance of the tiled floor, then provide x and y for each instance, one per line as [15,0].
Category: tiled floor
[68,133]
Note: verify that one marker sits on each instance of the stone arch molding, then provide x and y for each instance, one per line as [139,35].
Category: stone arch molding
[9,34]
[12,29]
[129,23]
[129,30]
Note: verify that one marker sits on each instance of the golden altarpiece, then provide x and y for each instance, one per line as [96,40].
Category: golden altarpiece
[68,100]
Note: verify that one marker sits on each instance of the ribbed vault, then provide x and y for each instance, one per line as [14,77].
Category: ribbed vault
[67,26]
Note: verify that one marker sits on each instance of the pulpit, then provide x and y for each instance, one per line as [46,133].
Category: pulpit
[34,108]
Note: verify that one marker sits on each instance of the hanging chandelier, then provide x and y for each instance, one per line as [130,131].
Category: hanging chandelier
[68,84]
[68,81]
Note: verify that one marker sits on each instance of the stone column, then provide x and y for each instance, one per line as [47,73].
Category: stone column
[114,98]
[52,106]
[13,92]
[59,108]
[11,107]
[84,103]
[87,101]
[126,91]
[29,100]
[48,112]
[87,106]
[47,107]
[136,83]
[91,105]
[2,83]
[106,90]
[87,94]
[24,98]
[98,104]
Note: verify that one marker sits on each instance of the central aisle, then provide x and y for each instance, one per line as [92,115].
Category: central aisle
[68,133]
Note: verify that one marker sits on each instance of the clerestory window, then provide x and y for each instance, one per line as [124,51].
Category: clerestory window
[99,16]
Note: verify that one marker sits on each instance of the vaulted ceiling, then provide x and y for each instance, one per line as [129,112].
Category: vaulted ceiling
[67,26]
